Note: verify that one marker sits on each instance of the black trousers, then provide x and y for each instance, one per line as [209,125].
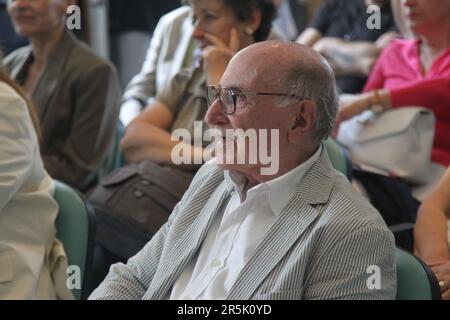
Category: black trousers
[392,197]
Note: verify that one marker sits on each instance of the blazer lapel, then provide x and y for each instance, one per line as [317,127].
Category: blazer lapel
[181,253]
[186,45]
[49,78]
[23,61]
[299,213]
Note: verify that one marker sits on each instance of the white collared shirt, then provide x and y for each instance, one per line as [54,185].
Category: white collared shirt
[236,231]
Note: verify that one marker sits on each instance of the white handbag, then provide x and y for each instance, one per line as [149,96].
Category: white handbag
[397,142]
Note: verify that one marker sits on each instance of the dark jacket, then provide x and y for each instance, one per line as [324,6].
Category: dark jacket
[77,100]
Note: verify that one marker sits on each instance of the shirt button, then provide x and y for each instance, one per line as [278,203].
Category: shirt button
[216,263]
[138,194]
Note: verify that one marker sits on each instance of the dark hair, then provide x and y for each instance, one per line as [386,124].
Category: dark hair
[243,10]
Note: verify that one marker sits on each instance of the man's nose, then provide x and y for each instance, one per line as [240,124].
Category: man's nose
[214,116]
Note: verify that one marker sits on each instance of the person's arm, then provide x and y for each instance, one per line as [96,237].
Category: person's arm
[319,24]
[309,37]
[131,281]
[430,232]
[352,57]
[360,103]
[426,93]
[16,147]
[143,85]
[95,98]
[148,138]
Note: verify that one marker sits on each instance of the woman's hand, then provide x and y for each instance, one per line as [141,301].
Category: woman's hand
[360,103]
[350,108]
[216,57]
[442,272]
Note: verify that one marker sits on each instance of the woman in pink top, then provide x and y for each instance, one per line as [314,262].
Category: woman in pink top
[415,72]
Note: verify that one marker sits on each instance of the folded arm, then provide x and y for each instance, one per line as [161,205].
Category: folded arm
[346,57]
[148,137]
[430,232]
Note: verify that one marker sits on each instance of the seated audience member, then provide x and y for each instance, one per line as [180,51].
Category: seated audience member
[299,233]
[32,262]
[293,16]
[340,32]
[172,48]
[431,233]
[76,93]
[9,40]
[413,72]
[130,26]
[221,28]
[400,19]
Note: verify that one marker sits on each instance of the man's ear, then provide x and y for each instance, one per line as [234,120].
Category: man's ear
[304,121]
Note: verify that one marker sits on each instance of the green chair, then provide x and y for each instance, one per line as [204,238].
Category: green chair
[75,229]
[339,157]
[415,280]
[114,159]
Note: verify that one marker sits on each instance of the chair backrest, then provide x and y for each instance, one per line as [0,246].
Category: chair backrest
[339,158]
[415,280]
[114,160]
[75,230]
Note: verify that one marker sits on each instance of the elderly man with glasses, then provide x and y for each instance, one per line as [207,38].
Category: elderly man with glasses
[301,233]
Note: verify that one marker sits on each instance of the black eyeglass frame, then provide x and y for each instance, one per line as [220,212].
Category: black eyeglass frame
[235,93]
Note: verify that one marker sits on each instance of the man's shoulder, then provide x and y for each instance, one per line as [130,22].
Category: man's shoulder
[349,211]
[207,171]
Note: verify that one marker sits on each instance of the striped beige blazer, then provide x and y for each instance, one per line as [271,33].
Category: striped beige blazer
[328,243]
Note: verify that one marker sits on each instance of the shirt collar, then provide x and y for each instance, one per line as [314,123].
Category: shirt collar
[281,189]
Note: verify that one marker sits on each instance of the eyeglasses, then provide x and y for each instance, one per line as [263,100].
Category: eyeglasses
[228,96]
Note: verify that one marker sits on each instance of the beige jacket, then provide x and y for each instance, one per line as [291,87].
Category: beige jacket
[32,262]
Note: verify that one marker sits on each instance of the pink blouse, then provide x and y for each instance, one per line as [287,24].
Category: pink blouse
[399,70]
